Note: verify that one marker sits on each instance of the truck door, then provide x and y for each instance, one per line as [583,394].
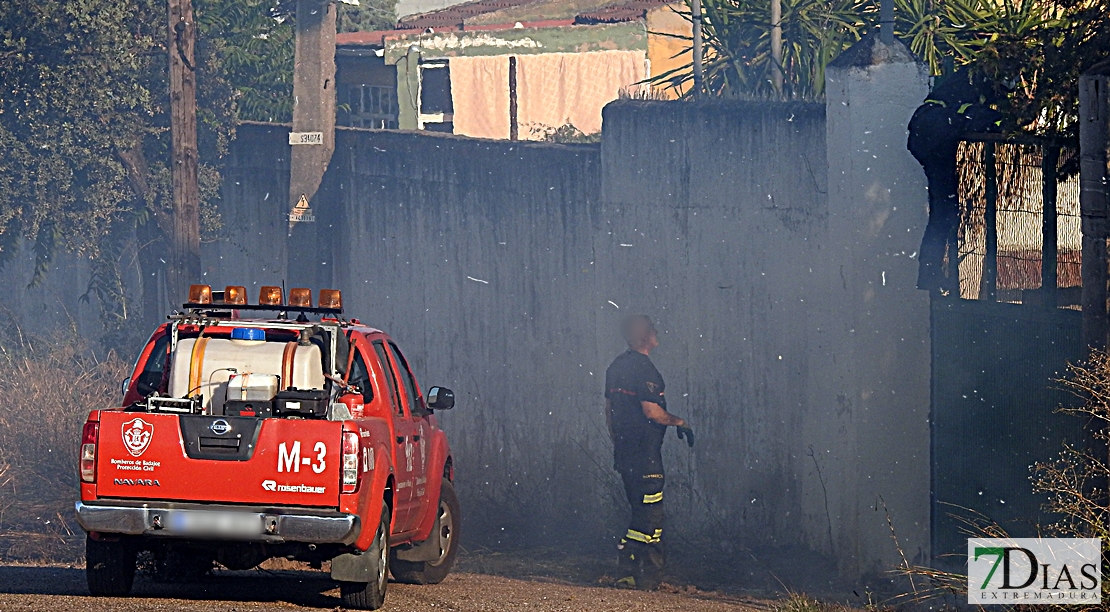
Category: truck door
[403,458]
[421,432]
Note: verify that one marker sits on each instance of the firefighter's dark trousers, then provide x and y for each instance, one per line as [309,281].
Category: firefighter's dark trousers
[938,261]
[641,547]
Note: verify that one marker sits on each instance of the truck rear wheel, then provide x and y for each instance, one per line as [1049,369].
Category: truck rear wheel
[433,572]
[371,595]
[109,567]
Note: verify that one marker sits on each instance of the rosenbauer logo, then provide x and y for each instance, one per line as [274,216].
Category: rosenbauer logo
[271,485]
[1034,571]
[136,436]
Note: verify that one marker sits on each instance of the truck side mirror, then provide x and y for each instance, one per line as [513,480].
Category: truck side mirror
[125,385]
[441,398]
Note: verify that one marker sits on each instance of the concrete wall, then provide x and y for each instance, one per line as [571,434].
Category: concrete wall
[725,236]
[773,248]
[506,267]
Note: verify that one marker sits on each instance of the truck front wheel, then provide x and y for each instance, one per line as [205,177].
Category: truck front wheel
[109,567]
[371,595]
[434,571]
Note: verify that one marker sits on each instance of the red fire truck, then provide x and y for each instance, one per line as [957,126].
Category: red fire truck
[243,438]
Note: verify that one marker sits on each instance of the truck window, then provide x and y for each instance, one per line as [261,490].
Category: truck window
[416,402]
[390,378]
[360,377]
[152,378]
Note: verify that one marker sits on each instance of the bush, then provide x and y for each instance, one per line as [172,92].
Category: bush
[48,385]
[1076,481]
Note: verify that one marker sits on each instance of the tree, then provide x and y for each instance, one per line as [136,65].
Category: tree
[1034,50]
[368,16]
[84,144]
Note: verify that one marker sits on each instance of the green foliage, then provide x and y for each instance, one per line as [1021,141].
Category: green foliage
[1044,61]
[250,45]
[738,37]
[84,125]
[738,40]
[368,16]
[74,92]
[564,134]
[1042,46]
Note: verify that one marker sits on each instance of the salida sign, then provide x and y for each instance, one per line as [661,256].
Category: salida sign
[1034,571]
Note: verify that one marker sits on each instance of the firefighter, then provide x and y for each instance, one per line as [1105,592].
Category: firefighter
[957,107]
[636,413]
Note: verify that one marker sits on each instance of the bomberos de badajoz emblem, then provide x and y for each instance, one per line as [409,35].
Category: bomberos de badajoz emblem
[136,436]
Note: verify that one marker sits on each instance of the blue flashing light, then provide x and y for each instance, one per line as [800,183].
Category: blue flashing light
[248,333]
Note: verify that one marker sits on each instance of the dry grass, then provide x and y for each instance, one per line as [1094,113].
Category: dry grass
[48,385]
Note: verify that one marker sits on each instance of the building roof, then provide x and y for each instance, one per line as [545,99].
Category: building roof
[507,14]
[453,17]
[629,10]
[366,39]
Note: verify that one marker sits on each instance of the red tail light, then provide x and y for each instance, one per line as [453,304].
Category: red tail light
[89,436]
[350,462]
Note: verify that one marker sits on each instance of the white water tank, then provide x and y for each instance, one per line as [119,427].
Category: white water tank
[204,366]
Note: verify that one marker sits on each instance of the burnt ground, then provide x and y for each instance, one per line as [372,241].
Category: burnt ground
[26,587]
[485,580]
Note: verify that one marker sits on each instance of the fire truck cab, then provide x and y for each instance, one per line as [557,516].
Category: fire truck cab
[244,437]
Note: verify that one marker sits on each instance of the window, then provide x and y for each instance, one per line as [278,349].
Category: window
[416,403]
[435,89]
[152,377]
[436,106]
[370,106]
[360,377]
[390,379]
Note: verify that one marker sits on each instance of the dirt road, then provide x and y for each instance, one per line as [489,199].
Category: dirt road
[63,588]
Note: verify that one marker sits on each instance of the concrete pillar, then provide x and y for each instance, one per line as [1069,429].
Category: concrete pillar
[313,111]
[1094,140]
[877,331]
[408,90]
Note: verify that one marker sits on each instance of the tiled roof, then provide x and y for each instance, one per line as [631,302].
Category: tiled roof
[452,17]
[629,10]
[458,18]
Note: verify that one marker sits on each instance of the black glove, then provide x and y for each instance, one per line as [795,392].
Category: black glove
[687,433]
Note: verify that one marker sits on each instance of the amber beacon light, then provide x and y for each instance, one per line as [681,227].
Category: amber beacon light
[331,298]
[200,294]
[235,295]
[270,295]
[300,297]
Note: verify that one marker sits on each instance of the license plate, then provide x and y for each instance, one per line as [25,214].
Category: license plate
[216,523]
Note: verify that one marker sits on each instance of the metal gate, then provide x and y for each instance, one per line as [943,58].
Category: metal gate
[994,367]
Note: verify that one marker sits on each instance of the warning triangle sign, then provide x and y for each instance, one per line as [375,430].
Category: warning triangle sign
[301,213]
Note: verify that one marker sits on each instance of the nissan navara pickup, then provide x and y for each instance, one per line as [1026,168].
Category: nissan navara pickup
[275,429]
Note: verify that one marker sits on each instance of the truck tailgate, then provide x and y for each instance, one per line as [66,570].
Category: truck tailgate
[235,460]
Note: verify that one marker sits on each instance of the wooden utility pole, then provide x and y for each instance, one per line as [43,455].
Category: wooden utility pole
[1094,138]
[776,46]
[696,17]
[184,267]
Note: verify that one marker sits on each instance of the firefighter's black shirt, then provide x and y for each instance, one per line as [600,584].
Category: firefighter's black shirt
[632,378]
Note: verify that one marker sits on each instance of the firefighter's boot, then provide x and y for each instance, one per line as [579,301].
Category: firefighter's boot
[651,567]
[628,565]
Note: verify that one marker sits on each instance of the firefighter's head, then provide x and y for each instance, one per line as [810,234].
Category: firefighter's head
[639,333]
